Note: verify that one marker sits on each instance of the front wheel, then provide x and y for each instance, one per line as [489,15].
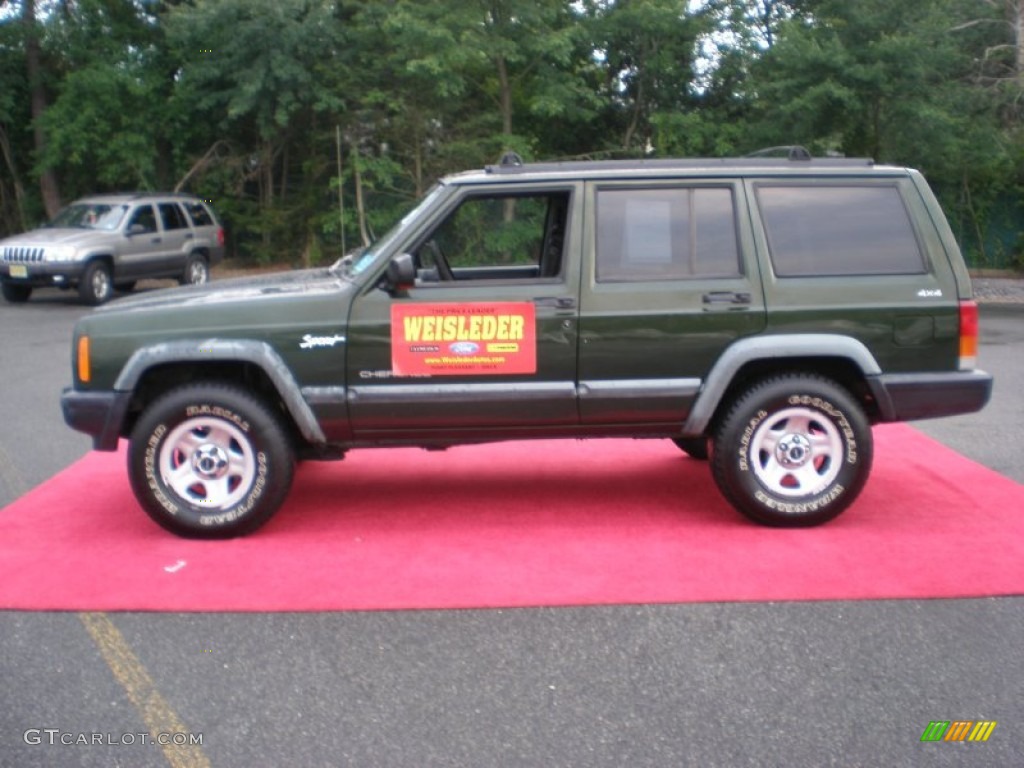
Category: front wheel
[694,447]
[793,451]
[210,461]
[14,293]
[96,285]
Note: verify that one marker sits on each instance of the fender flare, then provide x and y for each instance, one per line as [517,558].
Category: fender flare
[776,347]
[258,353]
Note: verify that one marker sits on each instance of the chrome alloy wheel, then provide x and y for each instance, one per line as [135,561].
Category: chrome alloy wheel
[795,452]
[197,272]
[208,462]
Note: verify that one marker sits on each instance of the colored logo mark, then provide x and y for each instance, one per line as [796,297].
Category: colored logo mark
[958,730]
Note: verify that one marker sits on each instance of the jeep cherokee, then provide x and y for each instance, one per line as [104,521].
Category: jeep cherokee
[763,313]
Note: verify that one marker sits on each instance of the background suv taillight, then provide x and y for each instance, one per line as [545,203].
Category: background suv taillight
[968,335]
[220,236]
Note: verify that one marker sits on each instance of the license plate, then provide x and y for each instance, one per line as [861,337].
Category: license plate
[18,270]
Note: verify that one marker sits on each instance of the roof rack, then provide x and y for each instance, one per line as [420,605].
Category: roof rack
[512,164]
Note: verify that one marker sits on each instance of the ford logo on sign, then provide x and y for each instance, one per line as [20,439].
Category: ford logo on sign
[464,348]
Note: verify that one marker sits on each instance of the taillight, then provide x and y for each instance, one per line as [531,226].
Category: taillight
[220,236]
[84,371]
[968,335]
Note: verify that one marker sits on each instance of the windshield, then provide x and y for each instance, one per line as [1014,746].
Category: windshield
[89,216]
[358,261]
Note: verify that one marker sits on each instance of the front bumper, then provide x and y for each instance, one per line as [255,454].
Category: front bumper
[911,396]
[99,414]
[39,274]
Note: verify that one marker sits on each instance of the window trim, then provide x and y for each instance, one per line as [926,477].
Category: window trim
[838,183]
[570,190]
[730,185]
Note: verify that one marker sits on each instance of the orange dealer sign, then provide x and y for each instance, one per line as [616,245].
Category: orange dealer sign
[456,339]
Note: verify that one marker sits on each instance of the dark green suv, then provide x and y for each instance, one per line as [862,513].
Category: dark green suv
[763,312]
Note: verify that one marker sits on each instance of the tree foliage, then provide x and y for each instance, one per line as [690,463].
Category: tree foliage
[312,124]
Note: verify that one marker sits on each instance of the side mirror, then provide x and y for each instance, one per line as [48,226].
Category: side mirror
[401,274]
[136,229]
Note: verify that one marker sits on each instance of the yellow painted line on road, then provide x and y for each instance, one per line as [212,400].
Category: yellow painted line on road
[156,713]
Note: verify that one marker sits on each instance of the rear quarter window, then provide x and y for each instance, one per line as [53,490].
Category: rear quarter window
[201,216]
[822,230]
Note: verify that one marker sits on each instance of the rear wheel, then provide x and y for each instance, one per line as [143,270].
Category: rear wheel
[210,461]
[16,294]
[196,271]
[793,451]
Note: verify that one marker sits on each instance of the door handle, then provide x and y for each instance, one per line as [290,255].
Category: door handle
[558,302]
[727,297]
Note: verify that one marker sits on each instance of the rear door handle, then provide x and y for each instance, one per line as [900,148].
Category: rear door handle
[727,297]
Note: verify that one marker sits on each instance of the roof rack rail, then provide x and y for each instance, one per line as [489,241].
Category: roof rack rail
[791,151]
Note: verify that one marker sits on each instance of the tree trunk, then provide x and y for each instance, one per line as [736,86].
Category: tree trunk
[1017,8]
[19,192]
[48,180]
[505,96]
[364,233]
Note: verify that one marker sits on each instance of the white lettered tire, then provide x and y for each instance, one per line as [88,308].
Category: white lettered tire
[793,451]
[210,461]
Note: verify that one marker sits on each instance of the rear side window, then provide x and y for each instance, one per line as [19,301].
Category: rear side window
[172,216]
[839,230]
[201,217]
[670,233]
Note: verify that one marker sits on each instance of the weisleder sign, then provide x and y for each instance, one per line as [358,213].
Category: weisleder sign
[454,339]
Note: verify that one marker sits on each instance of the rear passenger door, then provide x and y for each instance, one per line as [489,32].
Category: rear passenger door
[670,280]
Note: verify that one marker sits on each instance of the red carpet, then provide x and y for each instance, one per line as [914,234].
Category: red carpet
[519,524]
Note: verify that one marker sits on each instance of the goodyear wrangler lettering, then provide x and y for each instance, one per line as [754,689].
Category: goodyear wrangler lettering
[463,339]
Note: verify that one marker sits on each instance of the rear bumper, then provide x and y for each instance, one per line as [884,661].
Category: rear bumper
[911,396]
[99,414]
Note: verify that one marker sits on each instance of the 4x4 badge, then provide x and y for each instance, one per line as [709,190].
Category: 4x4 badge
[930,293]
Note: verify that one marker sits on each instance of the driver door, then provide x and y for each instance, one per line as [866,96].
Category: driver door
[486,338]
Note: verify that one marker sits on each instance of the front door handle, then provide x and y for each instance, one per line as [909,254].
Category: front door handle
[558,302]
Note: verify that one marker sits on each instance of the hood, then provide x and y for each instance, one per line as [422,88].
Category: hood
[306,282]
[45,236]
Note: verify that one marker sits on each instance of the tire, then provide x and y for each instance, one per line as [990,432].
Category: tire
[16,294]
[196,271]
[210,461]
[793,451]
[96,286]
[694,447]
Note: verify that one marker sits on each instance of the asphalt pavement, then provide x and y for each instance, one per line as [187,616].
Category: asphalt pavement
[742,684]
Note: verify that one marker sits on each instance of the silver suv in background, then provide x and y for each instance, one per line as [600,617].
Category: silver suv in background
[104,242]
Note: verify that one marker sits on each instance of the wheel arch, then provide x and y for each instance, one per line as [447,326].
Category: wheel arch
[105,257]
[844,359]
[151,371]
